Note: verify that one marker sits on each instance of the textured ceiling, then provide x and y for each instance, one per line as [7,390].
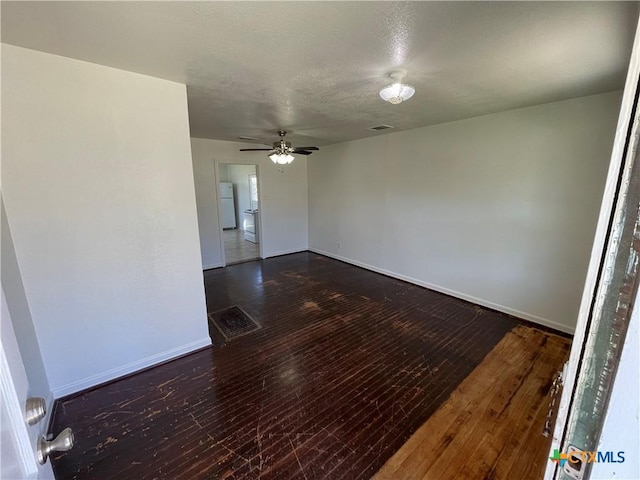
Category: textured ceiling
[315,68]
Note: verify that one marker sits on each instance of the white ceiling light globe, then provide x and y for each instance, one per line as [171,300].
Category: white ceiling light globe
[397,93]
[281,158]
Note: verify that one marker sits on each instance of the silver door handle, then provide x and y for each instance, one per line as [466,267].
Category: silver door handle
[35,410]
[62,443]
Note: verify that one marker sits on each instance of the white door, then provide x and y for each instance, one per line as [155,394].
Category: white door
[18,447]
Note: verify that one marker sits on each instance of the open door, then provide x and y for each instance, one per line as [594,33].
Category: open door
[18,439]
[608,301]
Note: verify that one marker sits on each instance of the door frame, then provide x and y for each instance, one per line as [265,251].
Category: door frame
[216,166]
[601,331]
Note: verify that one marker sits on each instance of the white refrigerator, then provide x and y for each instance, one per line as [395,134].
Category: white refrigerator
[227,205]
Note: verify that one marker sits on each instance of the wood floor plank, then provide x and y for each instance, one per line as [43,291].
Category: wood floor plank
[528,445]
[503,406]
[439,433]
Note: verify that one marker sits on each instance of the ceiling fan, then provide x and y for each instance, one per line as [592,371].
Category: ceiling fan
[282,152]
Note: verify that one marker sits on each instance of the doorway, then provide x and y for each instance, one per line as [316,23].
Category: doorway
[239,212]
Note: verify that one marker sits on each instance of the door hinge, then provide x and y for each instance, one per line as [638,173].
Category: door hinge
[554,393]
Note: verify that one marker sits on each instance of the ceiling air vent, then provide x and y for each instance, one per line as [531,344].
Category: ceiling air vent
[380,127]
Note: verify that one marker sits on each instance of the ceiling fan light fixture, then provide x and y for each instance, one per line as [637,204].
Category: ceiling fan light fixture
[281,153]
[397,92]
[281,158]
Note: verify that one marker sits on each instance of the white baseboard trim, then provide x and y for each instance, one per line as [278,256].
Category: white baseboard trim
[213,265]
[132,367]
[501,308]
[286,252]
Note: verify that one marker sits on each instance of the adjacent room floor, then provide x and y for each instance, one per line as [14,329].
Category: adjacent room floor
[351,373]
[237,249]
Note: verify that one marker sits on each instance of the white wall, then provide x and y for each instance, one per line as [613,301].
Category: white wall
[283,199]
[499,209]
[223,172]
[239,176]
[98,189]
[204,177]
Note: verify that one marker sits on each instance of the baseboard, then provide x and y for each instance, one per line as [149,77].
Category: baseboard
[495,306]
[213,265]
[286,252]
[128,369]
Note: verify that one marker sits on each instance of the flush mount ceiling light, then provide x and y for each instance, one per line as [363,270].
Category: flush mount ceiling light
[282,152]
[397,92]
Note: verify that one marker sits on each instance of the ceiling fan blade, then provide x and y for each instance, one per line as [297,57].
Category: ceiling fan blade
[255,149]
[306,148]
[302,152]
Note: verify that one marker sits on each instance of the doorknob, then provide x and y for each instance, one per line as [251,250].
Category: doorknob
[62,443]
[35,410]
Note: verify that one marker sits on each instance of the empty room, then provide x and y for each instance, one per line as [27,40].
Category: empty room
[319,240]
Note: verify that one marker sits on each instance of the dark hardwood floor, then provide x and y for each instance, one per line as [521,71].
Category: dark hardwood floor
[347,366]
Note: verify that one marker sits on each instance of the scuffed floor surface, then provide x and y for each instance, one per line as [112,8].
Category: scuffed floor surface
[347,366]
[491,425]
